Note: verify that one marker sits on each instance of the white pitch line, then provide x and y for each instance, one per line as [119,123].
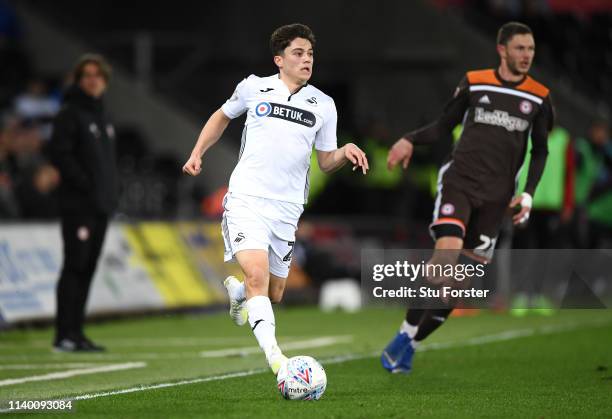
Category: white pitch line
[72,373]
[479,340]
[153,342]
[334,360]
[289,346]
[545,330]
[285,342]
[170,384]
[104,357]
[482,340]
[514,334]
[47,366]
[185,341]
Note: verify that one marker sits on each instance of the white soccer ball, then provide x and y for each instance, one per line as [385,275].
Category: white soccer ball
[301,378]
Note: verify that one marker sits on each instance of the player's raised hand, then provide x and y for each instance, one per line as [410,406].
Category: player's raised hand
[400,152]
[193,166]
[525,201]
[356,156]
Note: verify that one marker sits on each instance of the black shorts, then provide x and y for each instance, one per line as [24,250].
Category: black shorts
[457,214]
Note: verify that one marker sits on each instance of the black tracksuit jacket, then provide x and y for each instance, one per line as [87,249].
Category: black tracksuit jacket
[83,149]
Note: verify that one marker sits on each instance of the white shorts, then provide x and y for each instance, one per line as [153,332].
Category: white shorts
[251,222]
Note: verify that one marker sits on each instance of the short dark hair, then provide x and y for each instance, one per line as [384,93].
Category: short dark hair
[282,37]
[508,30]
[97,59]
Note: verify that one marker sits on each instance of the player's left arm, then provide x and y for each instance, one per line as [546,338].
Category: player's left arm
[329,156]
[330,161]
[542,125]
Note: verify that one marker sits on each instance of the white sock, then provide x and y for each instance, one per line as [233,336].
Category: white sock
[414,343]
[261,319]
[238,292]
[409,329]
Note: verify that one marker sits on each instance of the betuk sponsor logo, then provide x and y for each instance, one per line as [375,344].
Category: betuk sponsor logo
[287,113]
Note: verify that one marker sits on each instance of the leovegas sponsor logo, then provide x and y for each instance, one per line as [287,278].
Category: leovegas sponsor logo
[500,119]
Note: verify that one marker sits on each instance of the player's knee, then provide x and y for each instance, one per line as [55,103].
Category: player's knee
[256,278]
[277,290]
[449,243]
[277,287]
[447,252]
[276,295]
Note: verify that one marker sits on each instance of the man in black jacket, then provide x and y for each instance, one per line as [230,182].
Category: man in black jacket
[82,147]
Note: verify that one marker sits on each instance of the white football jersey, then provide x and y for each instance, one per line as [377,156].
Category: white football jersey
[279,133]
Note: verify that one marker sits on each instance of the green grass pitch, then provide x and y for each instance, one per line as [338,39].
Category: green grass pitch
[490,365]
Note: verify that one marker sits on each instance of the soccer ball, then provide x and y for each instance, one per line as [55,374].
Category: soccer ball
[301,378]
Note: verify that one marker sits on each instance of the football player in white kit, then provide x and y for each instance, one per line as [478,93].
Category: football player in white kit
[268,188]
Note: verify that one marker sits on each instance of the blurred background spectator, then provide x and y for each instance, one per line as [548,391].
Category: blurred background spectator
[35,107]
[594,187]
